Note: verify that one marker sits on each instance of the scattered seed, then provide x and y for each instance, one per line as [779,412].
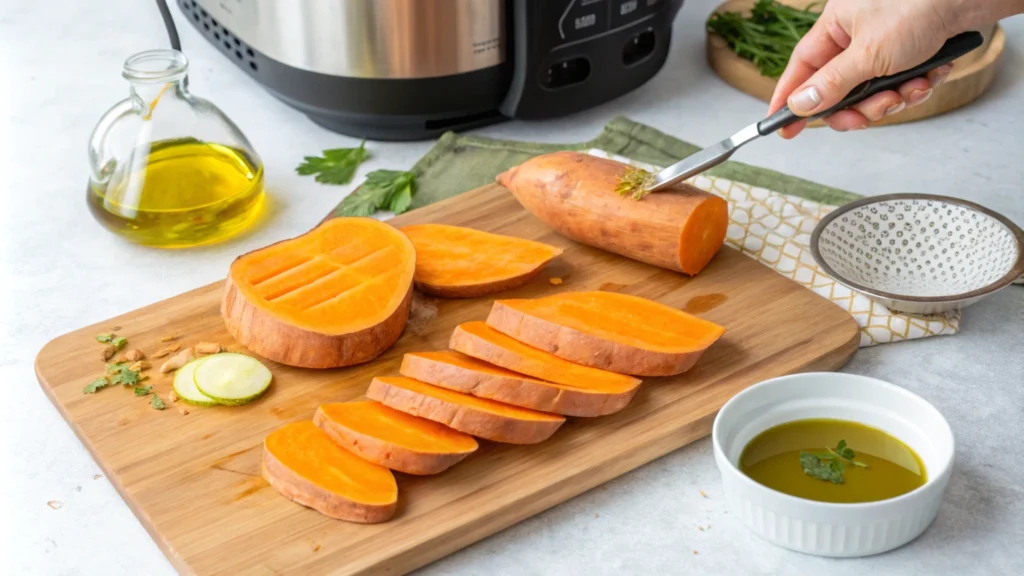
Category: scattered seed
[167,338]
[115,328]
[55,504]
[555,281]
[316,548]
[134,355]
[166,351]
[701,528]
[694,552]
[702,493]
[139,366]
[207,348]
[172,397]
[178,360]
[108,352]
[183,410]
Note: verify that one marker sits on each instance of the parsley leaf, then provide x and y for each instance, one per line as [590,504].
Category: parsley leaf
[156,403]
[118,342]
[104,338]
[829,465]
[115,367]
[336,166]
[383,189]
[95,385]
[143,390]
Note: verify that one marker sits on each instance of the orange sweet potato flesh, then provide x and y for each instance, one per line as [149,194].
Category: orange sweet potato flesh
[460,262]
[480,417]
[482,342]
[457,371]
[302,463]
[679,229]
[608,330]
[336,296]
[393,439]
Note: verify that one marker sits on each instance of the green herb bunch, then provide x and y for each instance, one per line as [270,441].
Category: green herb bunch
[768,36]
[831,464]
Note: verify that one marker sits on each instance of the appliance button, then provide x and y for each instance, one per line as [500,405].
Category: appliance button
[582,19]
[566,72]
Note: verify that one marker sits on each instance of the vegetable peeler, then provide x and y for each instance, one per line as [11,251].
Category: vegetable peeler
[713,155]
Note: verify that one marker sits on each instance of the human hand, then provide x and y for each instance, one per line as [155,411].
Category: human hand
[857,40]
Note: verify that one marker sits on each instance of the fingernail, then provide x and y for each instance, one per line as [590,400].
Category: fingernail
[918,96]
[895,108]
[940,74]
[805,101]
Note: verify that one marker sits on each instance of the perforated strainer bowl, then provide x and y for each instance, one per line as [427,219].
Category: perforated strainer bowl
[919,253]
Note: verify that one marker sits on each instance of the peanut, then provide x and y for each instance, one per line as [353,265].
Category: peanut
[134,355]
[178,360]
[108,352]
[168,350]
[207,348]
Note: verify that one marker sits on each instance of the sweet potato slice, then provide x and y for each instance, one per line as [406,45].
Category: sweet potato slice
[457,371]
[336,296]
[393,439]
[680,229]
[459,262]
[608,330]
[302,463]
[480,417]
[482,342]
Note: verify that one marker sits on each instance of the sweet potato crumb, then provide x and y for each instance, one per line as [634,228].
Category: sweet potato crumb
[183,410]
[172,397]
[139,366]
[55,504]
[167,338]
[168,350]
[555,281]
[704,494]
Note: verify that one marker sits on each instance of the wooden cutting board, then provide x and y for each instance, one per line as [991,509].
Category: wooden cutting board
[194,480]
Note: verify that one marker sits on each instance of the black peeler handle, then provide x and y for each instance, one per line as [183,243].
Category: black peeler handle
[954,48]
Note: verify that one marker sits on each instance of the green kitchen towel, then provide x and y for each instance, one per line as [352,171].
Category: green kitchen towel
[459,163]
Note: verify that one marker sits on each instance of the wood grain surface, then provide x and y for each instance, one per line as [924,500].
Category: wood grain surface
[194,480]
[972,73]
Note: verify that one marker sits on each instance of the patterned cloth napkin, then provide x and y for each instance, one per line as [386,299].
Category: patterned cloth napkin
[775,229]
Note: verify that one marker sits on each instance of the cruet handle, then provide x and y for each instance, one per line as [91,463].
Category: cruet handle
[100,134]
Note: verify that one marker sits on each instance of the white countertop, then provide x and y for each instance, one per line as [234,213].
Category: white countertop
[60,70]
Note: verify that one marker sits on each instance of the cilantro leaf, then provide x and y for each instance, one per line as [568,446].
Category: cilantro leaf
[143,390]
[104,338]
[336,166]
[115,367]
[95,385]
[127,377]
[383,189]
[118,342]
[156,403]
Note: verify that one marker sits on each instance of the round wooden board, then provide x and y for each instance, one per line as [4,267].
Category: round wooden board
[971,76]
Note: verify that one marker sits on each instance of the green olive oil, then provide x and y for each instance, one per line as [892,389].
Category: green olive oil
[181,193]
[887,467]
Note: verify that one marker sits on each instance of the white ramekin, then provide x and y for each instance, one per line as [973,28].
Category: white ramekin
[821,528]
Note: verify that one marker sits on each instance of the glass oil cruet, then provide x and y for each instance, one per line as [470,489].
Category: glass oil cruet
[167,168]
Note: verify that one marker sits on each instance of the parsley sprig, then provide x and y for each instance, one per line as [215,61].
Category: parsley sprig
[383,189]
[831,464]
[336,166]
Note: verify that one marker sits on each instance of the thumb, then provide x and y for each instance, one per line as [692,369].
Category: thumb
[832,82]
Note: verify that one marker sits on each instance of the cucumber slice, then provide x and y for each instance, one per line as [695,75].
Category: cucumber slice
[231,378]
[185,386]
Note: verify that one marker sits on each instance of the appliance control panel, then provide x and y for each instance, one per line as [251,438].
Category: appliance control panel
[571,54]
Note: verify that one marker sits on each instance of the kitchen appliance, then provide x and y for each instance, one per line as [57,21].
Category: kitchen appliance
[413,69]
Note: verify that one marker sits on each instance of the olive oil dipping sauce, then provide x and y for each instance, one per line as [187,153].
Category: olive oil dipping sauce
[181,193]
[836,461]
